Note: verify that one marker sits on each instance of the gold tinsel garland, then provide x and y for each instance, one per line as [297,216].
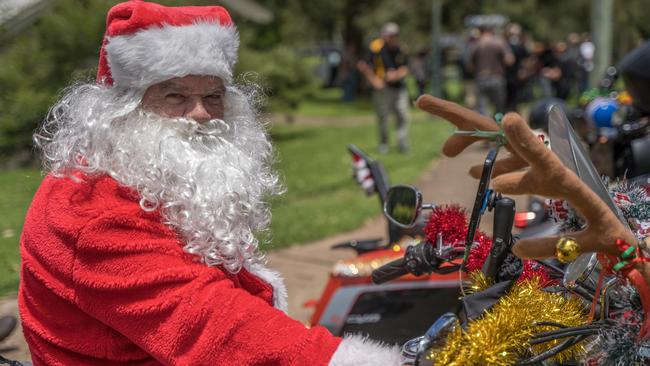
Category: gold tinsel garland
[501,335]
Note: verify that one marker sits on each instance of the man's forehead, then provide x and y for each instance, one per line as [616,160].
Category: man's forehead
[193,83]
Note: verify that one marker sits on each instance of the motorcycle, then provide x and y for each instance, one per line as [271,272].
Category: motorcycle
[609,298]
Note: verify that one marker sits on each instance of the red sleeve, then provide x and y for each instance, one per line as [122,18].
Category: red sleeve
[131,274]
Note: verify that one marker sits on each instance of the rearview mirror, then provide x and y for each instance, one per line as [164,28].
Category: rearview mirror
[403,205]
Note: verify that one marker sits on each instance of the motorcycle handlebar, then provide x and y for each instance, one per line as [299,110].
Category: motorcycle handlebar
[418,260]
[389,271]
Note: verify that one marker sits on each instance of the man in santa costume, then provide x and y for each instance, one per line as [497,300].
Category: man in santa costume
[140,245]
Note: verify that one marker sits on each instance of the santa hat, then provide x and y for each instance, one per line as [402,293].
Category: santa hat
[147,43]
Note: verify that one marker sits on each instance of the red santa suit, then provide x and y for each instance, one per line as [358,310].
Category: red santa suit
[104,282]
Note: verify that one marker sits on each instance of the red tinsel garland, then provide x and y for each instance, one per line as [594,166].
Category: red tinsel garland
[451,222]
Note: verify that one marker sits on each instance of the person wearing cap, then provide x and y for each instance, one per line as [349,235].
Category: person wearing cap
[140,246]
[385,69]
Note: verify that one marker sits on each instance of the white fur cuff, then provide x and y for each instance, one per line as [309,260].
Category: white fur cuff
[160,53]
[276,281]
[356,350]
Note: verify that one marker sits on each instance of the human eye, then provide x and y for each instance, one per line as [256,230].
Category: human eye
[214,97]
[174,98]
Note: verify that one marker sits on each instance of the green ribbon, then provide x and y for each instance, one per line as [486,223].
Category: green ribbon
[498,136]
[619,265]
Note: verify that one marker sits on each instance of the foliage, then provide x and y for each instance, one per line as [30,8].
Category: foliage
[62,45]
[288,77]
[18,187]
[323,198]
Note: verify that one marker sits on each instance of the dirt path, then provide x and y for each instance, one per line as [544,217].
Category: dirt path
[306,267]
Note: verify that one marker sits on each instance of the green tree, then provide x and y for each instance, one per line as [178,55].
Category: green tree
[61,45]
[287,77]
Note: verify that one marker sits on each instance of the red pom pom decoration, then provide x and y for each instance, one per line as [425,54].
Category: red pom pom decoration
[448,220]
[451,222]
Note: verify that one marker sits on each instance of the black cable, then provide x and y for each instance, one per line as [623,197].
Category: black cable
[552,351]
[574,333]
[563,332]
[565,328]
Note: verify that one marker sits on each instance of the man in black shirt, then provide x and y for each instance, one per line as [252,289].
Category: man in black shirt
[385,69]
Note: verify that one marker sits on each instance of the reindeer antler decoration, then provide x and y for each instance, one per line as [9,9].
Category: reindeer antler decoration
[533,169]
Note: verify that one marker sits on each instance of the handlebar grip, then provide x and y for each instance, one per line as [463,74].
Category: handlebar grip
[389,271]
[504,215]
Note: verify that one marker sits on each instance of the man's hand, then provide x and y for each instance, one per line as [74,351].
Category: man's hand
[397,74]
[368,73]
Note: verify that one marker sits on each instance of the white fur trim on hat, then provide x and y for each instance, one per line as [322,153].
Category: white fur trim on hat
[157,54]
[276,281]
[355,350]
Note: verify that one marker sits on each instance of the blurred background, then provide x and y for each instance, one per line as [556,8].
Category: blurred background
[304,54]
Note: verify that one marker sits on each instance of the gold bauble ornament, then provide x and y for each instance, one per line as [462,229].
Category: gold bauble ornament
[567,249]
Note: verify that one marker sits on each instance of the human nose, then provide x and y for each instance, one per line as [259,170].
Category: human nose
[197,111]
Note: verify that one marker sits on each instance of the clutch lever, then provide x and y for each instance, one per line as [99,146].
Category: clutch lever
[418,260]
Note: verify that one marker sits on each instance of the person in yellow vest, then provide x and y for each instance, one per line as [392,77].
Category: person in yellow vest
[385,68]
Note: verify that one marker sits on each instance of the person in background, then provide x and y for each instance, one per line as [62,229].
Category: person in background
[559,70]
[488,60]
[514,79]
[351,77]
[587,51]
[573,53]
[420,67]
[385,69]
[473,35]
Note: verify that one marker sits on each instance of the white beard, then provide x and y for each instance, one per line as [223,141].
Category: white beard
[209,180]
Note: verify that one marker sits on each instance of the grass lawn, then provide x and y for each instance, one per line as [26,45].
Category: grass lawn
[18,187]
[322,197]
[327,103]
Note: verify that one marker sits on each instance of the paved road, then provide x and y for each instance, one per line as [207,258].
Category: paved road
[306,267]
